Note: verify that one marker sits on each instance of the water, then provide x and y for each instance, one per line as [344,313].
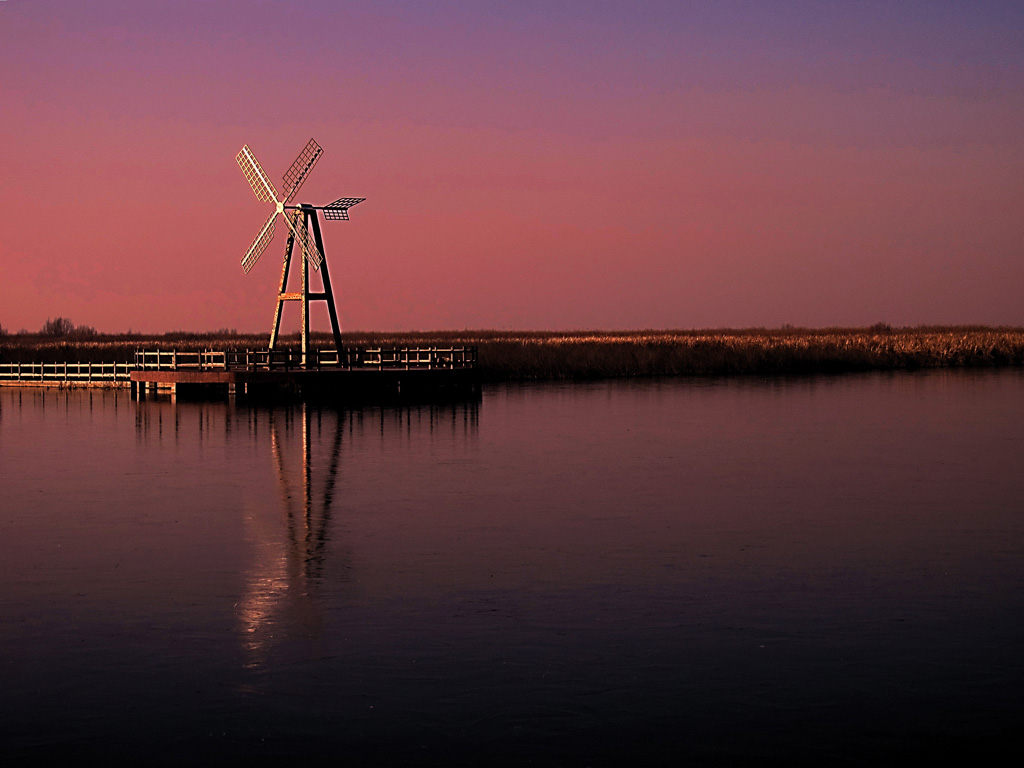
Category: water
[811,571]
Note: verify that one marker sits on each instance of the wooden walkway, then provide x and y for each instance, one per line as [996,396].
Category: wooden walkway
[363,373]
[349,359]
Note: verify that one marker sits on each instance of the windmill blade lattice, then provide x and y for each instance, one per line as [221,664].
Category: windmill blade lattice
[266,192]
[261,184]
[259,245]
[300,169]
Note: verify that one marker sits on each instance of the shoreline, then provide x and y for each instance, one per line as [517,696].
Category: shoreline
[588,355]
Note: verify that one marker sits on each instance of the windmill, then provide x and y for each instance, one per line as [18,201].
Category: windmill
[303,222]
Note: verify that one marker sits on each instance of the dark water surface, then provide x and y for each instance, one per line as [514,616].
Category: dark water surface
[812,571]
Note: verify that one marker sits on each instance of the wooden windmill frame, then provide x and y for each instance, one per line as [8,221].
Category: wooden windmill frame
[303,222]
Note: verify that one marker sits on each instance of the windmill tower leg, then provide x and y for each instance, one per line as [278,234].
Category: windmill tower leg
[281,291]
[312,217]
[305,311]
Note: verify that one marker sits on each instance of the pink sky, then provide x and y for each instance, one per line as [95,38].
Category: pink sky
[530,165]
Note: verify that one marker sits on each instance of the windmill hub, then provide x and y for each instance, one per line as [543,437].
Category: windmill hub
[303,229]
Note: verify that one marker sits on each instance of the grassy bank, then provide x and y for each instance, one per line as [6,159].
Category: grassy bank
[512,356]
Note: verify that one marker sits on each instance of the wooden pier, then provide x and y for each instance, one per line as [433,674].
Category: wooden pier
[66,375]
[353,374]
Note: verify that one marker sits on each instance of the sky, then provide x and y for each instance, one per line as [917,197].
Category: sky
[530,165]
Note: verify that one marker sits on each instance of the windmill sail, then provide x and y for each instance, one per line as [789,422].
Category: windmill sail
[259,245]
[300,169]
[261,184]
[265,191]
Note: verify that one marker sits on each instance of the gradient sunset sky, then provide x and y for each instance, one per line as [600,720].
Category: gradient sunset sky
[527,165]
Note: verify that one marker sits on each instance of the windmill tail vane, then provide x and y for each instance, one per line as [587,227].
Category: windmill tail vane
[266,192]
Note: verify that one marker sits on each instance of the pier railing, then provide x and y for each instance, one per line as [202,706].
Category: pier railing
[348,359]
[66,373]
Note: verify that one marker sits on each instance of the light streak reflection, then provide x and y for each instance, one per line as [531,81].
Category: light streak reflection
[282,582]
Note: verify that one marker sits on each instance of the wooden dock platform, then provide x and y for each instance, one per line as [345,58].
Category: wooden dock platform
[353,374]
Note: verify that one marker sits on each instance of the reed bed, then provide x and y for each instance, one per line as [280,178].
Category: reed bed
[539,355]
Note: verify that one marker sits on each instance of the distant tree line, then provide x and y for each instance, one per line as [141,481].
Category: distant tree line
[59,327]
[62,326]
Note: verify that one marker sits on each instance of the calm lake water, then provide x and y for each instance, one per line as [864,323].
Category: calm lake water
[823,570]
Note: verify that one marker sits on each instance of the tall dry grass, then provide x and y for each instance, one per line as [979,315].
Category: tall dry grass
[537,355]
[751,352]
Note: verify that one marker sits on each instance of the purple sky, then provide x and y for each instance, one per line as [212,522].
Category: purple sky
[527,165]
